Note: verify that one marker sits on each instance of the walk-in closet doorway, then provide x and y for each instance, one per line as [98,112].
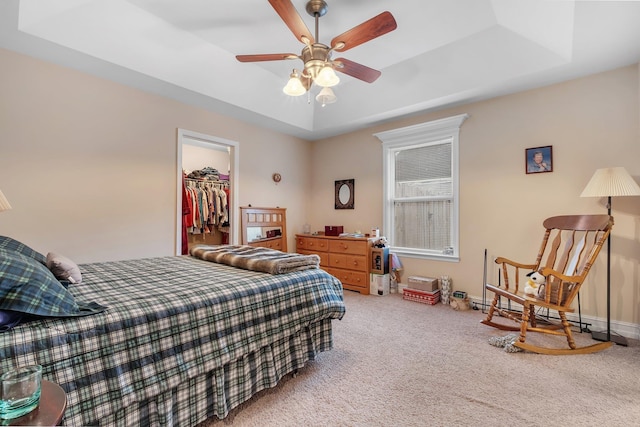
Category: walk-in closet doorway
[195,150]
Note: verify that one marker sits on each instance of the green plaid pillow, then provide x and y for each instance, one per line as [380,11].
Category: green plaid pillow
[13,245]
[29,287]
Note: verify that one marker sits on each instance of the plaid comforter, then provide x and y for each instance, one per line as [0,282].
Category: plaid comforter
[169,321]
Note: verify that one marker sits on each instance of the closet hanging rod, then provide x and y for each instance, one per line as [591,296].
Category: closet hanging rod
[207,181]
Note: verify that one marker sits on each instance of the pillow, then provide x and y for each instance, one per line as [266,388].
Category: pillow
[27,286]
[13,245]
[63,268]
[9,319]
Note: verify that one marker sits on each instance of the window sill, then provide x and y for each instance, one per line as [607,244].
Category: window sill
[404,252]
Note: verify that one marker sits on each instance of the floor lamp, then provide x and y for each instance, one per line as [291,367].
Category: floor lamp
[610,182]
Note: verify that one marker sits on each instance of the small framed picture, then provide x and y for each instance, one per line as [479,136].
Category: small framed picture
[538,159]
[345,193]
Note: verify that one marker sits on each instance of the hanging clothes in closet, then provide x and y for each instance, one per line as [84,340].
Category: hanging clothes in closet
[186,217]
[209,201]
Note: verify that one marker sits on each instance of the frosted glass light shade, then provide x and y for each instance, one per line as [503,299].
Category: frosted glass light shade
[326,77]
[4,203]
[294,86]
[326,96]
[611,182]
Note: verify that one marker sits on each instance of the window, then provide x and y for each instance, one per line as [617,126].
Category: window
[421,188]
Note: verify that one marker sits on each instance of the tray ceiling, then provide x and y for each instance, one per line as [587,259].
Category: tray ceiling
[443,53]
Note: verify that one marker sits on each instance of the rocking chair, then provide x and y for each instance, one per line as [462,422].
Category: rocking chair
[570,246]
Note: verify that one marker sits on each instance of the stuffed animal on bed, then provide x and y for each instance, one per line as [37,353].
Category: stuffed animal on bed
[533,283]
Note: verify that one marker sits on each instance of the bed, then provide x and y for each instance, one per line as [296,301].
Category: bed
[182,339]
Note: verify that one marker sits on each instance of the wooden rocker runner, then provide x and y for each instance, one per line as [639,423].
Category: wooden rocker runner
[569,248]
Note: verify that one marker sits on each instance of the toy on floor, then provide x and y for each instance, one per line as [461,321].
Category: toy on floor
[506,342]
[533,283]
[459,303]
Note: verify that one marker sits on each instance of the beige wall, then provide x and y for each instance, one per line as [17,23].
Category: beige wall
[90,166]
[592,122]
[90,169]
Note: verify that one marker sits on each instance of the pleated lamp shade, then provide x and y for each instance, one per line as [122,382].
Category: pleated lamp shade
[611,182]
[4,203]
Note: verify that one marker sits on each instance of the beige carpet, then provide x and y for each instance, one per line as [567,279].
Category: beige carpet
[402,363]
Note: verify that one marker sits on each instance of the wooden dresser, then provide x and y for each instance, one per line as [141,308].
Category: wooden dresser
[264,227]
[346,258]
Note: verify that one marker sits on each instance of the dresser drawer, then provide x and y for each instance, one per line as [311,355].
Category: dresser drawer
[349,262]
[337,260]
[359,279]
[351,279]
[271,244]
[348,246]
[312,244]
[342,275]
[300,241]
[275,244]
[320,245]
[357,262]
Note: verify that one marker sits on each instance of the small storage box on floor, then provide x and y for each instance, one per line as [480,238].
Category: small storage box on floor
[424,297]
[422,283]
[379,284]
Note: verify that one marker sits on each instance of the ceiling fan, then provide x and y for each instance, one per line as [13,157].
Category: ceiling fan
[316,56]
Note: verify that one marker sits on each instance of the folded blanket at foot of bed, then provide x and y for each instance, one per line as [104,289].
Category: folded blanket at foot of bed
[255,258]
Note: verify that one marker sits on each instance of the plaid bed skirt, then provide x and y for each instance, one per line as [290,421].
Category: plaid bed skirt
[179,339]
[218,392]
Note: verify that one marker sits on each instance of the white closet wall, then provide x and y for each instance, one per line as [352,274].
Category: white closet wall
[195,157]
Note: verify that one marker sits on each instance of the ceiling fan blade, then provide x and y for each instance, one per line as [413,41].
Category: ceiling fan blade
[368,30]
[356,70]
[266,57]
[290,16]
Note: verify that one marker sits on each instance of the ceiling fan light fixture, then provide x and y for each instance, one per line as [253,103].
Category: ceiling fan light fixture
[318,68]
[294,86]
[326,96]
[327,77]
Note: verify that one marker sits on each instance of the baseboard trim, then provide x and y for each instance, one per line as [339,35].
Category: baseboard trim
[594,324]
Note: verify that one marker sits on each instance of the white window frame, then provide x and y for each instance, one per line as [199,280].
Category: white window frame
[412,137]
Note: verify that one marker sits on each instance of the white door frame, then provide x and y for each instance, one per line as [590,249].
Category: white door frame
[234,158]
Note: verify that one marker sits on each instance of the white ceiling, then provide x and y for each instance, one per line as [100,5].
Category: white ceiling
[444,52]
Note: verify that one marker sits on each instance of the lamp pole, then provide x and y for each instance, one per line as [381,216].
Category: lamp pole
[609,275]
[601,336]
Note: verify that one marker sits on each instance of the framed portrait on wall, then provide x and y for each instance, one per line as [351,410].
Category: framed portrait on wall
[538,159]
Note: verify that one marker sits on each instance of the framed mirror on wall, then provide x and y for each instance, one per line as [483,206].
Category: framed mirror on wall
[344,194]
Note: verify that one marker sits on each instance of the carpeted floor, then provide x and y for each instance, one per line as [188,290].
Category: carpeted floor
[402,363]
